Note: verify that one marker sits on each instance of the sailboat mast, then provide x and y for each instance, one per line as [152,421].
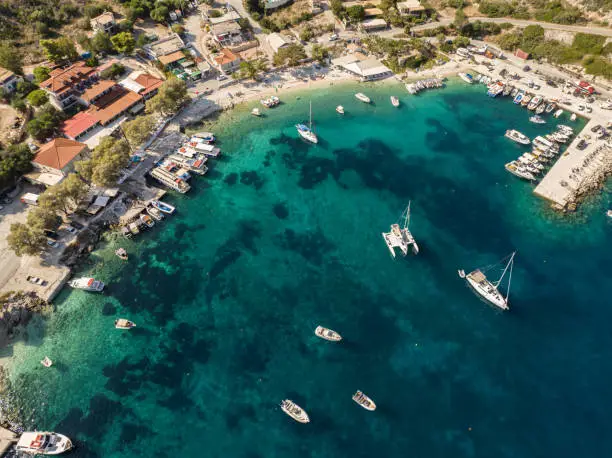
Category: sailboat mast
[504,272]
[510,277]
[310,117]
[407,219]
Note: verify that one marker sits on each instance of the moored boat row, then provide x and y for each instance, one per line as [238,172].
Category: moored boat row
[421,85]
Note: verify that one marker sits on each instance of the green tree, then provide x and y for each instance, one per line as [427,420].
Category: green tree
[113,71]
[37,98]
[59,50]
[319,53]
[41,74]
[73,189]
[532,36]
[460,18]
[84,168]
[356,13]
[14,161]
[10,58]
[139,129]
[338,8]
[101,42]
[160,13]
[289,55]
[43,218]
[178,28]
[123,42]
[45,123]
[54,200]
[171,96]
[251,69]
[26,240]
[509,41]
[108,159]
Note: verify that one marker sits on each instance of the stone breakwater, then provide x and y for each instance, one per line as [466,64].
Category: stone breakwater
[16,310]
[596,167]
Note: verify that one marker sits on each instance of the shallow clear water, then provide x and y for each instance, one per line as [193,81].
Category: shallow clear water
[282,236]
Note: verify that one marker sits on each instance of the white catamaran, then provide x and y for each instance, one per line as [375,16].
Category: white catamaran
[306,131]
[401,237]
[487,289]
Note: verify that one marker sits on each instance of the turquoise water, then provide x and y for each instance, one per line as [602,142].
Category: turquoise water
[282,236]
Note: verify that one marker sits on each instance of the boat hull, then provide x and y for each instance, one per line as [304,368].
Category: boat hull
[494,299]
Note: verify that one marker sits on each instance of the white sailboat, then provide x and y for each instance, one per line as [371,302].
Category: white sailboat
[306,132]
[401,237]
[327,334]
[487,289]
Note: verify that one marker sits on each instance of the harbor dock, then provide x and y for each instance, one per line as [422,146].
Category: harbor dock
[577,171]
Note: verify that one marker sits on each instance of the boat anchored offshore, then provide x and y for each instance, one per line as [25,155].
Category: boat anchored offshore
[327,334]
[122,323]
[537,119]
[256,112]
[306,132]
[361,96]
[46,362]
[38,443]
[364,401]
[488,290]
[294,411]
[395,101]
[516,136]
[401,237]
[340,109]
[121,253]
[86,283]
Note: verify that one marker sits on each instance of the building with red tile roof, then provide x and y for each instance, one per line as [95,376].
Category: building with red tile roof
[97,90]
[226,61]
[58,155]
[115,103]
[65,84]
[77,127]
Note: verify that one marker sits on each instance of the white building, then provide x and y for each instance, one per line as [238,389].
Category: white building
[367,69]
[410,8]
[271,4]
[277,41]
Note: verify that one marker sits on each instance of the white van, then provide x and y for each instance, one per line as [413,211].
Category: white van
[30,198]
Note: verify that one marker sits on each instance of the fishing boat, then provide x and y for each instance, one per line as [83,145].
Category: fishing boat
[466,77]
[535,102]
[256,112]
[517,137]
[517,170]
[340,109]
[206,137]
[364,401]
[294,411]
[163,207]
[46,362]
[488,290]
[550,107]
[122,323]
[537,119]
[395,101]
[514,92]
[558,113]
[155,213]
[270,102]
[540,109]
[87,284]
[147,220]
[526,99]
[43,443]
[507,90]
[133,227]
[306,131]
[327,334]
[169,179]
[361,96]
[495,89]
[518,98]
[401,237]
[121,253]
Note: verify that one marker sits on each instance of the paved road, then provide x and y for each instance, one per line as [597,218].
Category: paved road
[521,23]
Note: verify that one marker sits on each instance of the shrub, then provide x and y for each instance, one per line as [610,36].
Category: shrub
[214,13]
[37,98]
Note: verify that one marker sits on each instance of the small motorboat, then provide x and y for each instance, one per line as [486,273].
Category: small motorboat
[294,411]
[609,213]
[122,254]
[134,228]
[518,137]
[537,120]
[558,113]
[122,323]
[362,97]
[147,220]
[340,109]
[155,213]
[395,101]
[163,207]
[573,117]
[466,77]
[46,362]
[256,112]
[327,334]
[364,401]
[206,137]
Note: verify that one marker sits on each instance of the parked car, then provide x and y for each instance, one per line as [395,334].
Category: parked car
[333,37]
[52,243]
[221,77]
[71,229]
[595,128]
[76,224]
[51,234]
[581,145]
[36,280]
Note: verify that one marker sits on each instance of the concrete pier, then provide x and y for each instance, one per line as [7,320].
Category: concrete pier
[576,171]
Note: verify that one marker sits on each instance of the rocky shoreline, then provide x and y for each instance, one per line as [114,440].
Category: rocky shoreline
[17,309]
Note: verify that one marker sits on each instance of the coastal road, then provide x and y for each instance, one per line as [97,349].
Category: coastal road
[522,23]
